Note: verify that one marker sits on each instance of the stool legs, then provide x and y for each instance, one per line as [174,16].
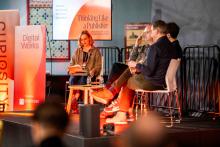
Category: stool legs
[140,100]
[68,107]
[170,109]
[178,106]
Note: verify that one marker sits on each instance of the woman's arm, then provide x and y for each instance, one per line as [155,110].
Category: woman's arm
[95,71]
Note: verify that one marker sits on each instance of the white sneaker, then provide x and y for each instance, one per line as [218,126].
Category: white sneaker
[113,107]
[119,118]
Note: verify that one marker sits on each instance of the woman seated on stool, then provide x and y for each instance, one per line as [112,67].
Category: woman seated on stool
[86,61]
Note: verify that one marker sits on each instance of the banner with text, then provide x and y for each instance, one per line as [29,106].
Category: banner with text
[70,17]
[30,67]
[8,20]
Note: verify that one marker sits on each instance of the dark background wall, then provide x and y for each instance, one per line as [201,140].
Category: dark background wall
[199,19]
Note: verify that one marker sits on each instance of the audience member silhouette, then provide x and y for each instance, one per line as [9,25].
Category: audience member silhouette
[48,125]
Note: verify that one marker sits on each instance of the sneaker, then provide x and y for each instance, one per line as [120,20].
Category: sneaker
[113,107]
[119,118]
[103,96]
[104,115]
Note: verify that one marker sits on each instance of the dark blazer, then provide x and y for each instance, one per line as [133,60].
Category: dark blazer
[158,58]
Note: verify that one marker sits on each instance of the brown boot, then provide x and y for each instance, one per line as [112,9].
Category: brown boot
[74,106]
[103,96]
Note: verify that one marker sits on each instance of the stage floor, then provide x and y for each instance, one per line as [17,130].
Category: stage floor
[191,131]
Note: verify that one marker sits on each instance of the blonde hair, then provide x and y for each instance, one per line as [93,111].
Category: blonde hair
[85,32]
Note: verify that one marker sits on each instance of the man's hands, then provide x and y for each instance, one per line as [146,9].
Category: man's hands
[138,41]
[132,66]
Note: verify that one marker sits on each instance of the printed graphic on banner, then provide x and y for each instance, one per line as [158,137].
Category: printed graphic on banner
[30,64]
[8,20]
[70,17]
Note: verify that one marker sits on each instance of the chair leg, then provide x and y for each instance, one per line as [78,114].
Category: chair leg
[141,103]
[178,106]
[136,102]
[146,104]
[66,92]
[170,108]
[68,107]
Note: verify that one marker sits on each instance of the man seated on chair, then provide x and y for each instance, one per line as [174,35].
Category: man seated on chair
[138,53]
[120,73]
[148,76]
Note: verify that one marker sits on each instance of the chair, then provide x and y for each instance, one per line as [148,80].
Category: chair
[142,95]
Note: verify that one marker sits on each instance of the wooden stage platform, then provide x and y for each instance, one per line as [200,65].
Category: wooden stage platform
[190,132]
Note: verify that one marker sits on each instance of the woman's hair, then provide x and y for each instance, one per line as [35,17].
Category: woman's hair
[85,32]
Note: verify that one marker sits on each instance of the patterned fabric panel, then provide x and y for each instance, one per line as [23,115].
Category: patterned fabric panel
[56,50]
[40,3]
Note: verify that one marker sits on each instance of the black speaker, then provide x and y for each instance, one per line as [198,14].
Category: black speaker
[89,120]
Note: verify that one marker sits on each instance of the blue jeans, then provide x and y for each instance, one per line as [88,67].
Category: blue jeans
[77,80]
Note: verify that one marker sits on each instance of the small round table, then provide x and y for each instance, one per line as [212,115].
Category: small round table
[87,90]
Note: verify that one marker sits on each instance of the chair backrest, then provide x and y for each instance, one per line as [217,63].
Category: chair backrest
[102,70]
[171,74]
[100,76]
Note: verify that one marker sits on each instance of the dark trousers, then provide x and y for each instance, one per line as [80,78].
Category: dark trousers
[116,71]
[137,81]
[118,77]
[79,80]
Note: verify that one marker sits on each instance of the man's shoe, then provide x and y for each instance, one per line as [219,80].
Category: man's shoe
[103,96]
[113,107]
[119,118]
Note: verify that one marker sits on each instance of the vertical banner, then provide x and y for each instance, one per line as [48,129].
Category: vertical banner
[8,20]
[30,67]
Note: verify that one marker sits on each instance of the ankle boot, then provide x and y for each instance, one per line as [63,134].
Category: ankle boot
[74,106]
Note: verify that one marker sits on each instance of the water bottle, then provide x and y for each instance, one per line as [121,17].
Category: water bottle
[101,80]
[88,80]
